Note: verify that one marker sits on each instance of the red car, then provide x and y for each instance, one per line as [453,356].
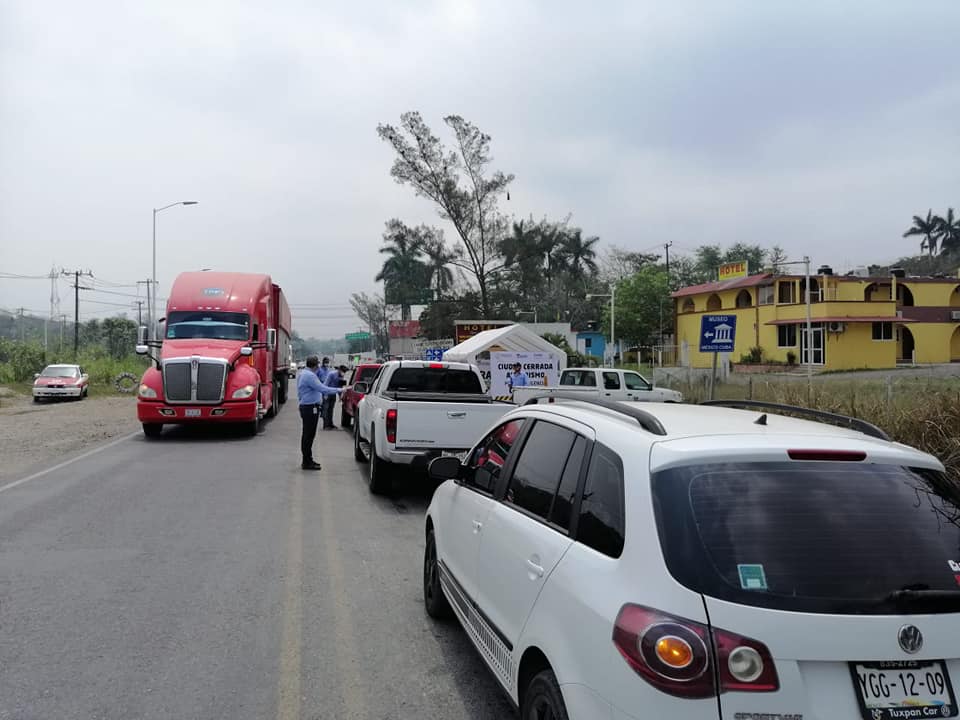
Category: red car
[60,381]
[349,398]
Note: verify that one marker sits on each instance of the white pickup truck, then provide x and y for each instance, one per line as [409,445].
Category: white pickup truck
[604,383]
[414,411]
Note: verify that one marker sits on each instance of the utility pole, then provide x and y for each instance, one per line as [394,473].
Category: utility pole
[76,306]
[666,249]
[20,312]
[139,304]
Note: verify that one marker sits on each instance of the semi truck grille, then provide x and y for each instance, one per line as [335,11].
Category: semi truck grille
[176,381]
[199,380]
[210,382]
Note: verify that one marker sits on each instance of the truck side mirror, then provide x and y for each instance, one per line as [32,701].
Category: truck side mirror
[271,339]
[246,351]
[361,388]
[141,337]
[142,349]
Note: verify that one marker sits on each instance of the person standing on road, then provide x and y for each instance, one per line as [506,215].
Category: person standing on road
[518,378]
[311,394]
[334,380]
[324,370]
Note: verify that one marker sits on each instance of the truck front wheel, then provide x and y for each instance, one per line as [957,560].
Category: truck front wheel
[152,430]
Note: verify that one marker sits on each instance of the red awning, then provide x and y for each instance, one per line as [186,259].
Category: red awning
[859,319]
[743,282]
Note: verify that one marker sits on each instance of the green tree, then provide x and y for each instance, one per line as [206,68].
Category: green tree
[403,273]
[949,232]
[578,255]
[439,258]
[640,300]
[460,185]
[929,229]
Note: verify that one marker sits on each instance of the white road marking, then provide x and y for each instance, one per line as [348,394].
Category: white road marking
[88,453]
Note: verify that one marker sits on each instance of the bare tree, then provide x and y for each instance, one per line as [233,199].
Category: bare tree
[372,311]
[460,184]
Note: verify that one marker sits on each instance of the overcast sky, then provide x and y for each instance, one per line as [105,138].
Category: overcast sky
[818,127]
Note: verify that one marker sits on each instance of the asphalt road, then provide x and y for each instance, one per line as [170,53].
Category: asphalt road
[205,575]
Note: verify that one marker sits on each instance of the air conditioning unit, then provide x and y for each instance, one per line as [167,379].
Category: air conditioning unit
[835,327]
[955,314]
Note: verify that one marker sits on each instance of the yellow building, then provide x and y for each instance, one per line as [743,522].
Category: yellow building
[858,322]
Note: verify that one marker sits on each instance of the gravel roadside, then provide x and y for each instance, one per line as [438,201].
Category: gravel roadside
[37,435]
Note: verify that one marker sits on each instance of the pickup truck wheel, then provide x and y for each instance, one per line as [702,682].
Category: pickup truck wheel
[358,454]
[434,601]
[380,472]
[152,430]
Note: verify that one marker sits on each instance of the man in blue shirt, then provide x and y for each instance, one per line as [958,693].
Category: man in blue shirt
[518,378]
[311,393]
[324,370]
[335,380]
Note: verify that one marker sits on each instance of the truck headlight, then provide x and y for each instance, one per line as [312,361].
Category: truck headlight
[147,392]
[243,393]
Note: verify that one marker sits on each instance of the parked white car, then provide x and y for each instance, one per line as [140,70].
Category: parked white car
[612,560]
[604,383]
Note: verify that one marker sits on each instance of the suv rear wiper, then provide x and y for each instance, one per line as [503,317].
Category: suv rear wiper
[931,600]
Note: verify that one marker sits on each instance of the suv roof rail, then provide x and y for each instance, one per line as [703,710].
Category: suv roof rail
[647,420]
[833,418]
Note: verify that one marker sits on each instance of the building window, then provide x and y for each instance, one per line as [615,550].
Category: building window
[765,295]
[588,343]
[743,299]
[688,306]
[787,293]
[713,303]
[882,331]
[786,336]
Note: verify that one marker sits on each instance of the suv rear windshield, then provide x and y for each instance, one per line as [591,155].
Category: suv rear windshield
[829,537]
[434,380]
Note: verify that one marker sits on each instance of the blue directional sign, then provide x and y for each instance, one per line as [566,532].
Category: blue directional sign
[435,354]
[717,333]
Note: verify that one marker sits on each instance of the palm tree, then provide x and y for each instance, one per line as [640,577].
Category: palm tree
[949,232]
[928,228]
[403,271]
[579,257]
[439,257]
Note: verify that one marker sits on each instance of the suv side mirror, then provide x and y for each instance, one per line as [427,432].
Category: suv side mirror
[36,375]
[271,339]
[445,468]
[142,335]
[361,388]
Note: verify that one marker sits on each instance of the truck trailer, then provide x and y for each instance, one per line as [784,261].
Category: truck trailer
[224,356]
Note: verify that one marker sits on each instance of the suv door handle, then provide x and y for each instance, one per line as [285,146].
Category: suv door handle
[477,526]
[535,569]
[457,413]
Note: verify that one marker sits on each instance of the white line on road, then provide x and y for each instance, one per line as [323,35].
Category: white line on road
[88,453]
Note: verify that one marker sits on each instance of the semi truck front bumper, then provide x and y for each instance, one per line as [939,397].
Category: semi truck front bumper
[159,412]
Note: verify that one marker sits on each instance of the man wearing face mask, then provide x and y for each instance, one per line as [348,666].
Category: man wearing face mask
[311,393]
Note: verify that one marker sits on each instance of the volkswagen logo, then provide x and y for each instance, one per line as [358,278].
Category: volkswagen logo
[911,639]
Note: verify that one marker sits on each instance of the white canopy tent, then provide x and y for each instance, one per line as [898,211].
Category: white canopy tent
[510,338]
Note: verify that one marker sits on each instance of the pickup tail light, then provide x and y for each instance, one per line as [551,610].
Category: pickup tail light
[677,656]
[391,425]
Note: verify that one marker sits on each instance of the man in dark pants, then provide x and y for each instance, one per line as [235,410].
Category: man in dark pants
[311,393]
[335,378]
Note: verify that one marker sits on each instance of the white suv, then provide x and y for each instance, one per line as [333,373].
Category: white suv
[694,562]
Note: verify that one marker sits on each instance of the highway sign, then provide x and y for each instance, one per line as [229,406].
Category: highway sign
[717,333]
[357,336]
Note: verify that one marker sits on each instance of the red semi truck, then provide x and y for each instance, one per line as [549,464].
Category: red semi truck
[225,353]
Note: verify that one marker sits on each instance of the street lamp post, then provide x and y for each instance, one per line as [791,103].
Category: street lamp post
[613,316]
[153,280]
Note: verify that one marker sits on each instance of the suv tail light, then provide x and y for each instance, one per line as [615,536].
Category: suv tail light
[677,655]
[391,425]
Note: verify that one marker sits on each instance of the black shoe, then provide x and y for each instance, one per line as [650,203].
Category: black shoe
[311,466]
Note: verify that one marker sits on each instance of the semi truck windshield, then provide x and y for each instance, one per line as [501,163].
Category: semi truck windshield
[207,324]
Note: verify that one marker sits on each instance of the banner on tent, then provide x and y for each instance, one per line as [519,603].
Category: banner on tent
[542,369]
